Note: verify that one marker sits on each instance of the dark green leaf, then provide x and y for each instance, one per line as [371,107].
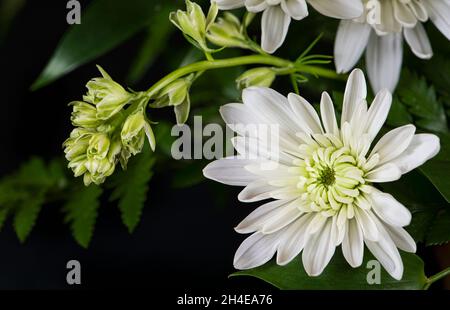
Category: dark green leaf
[189,175]
[26,215]
[437,169]
[3,216]
[421,101]
[105,24]
[338,275]
[398,114]
[81,213]
[439,232]
[156,40]
[419,195]
[131,186]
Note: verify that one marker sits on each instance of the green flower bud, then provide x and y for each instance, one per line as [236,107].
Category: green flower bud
[98,146]
[173,94]
[84,115]
[227,32]
[182,111]
[134,131]
[77,143]
[108,96]
[193,22]
[256,77]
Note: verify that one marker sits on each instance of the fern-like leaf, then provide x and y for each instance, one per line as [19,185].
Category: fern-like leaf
[81,213]
[421,102]
[26,215]
[131,186]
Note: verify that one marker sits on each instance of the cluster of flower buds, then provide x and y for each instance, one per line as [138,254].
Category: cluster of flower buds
[106,132]
[194,24]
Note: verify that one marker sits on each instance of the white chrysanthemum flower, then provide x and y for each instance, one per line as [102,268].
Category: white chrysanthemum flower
[323,180]
[381,29]
[277,14]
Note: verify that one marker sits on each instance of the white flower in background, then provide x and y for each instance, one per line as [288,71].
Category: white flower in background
[381,29]
[277,14]
[323,180]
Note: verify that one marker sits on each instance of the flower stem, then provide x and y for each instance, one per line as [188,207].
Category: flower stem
[238,61]
[440,275]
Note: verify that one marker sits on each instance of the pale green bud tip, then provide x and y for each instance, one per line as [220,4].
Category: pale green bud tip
[91,154]
[227,32]
[193,22]
[134,131]
[263,77]
[84,115]
[173,94]
[108,96]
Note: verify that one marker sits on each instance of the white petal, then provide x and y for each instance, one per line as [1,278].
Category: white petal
[418,41]
[353,244]
[338,8]
[367,225]
[305,113]
[352,34]
[384,60]
[319,249]
[274,25]
[328,115]
[246,121]
[238,113]
[256,250]
[293,241]
[439,12]
[422,148]
[386,173]
[268,104]
[394,143]
[355,93]
[403,14]
[230,171]
[255,191]
[378,112]
[387,254]
[255,6]
[401,238]
[388,22]
[251,148]
[255,220]
[389,209]
[229,4]
[282,218]
[297,9]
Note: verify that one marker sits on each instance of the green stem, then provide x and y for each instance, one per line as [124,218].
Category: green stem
[294,84]
[237,61]
[440,275]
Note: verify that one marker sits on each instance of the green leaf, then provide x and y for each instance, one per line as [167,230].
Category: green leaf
[421,101]
[105,24]
[3,216]
[131,186]
[398,114]
[8,11]
[436,170]
[26,215]
[190,174]
[81,213]
[439,232]
[157,38]
[419,195]
[338,275]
